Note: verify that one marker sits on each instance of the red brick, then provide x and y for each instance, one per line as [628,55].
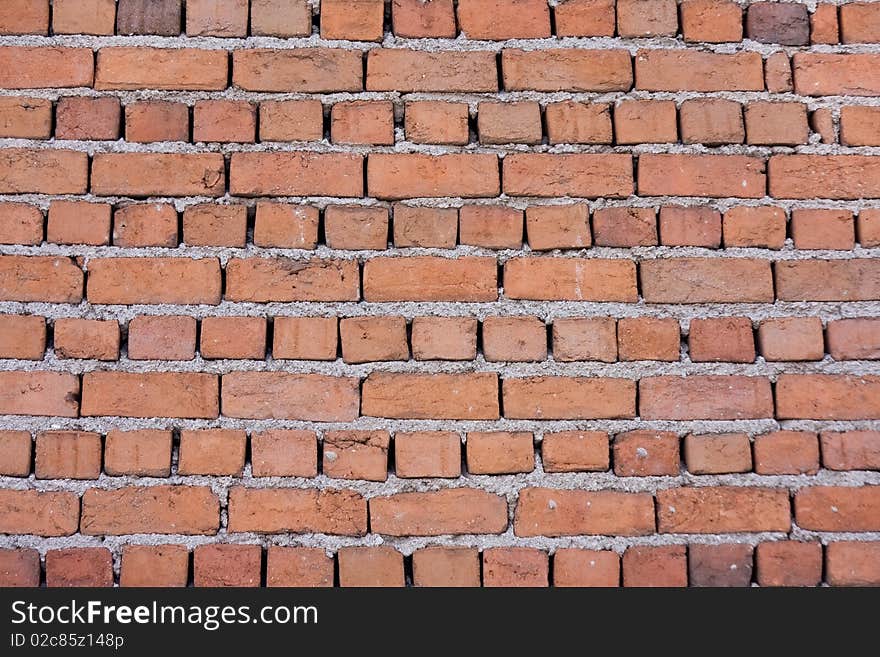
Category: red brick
[21,224]
[568,398]
[35,67]
[227,565]
[233,337]
[718,453]
[706,397]
[823,24]
[212,452]
[690,226]
[406,71]
[40,278]
[854,339]
[362,122]
[578,175]
[358,20]
[86,338]
[776,124]
[706,280]
[838,508]
[648,338]
[647,566]
[285,279]
[472,396]
[161,17]
[24,171]
[558,226]
[566,70]
[575,451]
[154,565]
[162,337]
[739,176]
[158,174]
[84,17]
[791,338]
[727,564]
[582,568]
[435,122]
[625,227]
[827,397]
[509,123]
[224,121]
[853,564]
[22,336]
[39,393]
[303,70]
[832,176]
[588,338]
[191,510]
[296,174]
[281,18]
[43,513]
[711,121]
[858,23]
[851,450]
[419,20]
[150,394]
[692,70]
[156,120]
[67,455]
[826,74]
[79,567]
[574,279]
[828,280]
[515,567]
[789,563]
[500,452]
[140,453]
[15,453]
[585,18]
[722,339]
[305,338]
[25,118]
[145,224]
[491,226]
[220,18]
[284,453]
[296,510]
[446,566]
[426,454]
[370,567]
[859,125]
[445,511]
[651,121]
[78,222]
[504,19]
[430,278]
[722,510]
[171,69]
[356,227]
[444,338]
[369,339]
[298,566]
[578,123]
[413,175]
[760,227]
[644,453]
[822,123]
[291,120]
[637,18]
[787,452]
[25,17]
[356,455]
[514,339]
[425,227]
[19,567]
[711,21]
[87,118]
[557,512]
[283,395]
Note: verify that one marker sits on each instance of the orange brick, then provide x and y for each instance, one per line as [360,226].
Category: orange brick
[84,17]
[26,67]
[87,338]
[68,455]
[356,455]
[190,510]
[722,510]
[296,174]
[717,453]
[220,18]
[711,21]
[158,174]
[760,227]
[575,279]
[828,280]
[690,226]
[440,512]
[645,121]
[156,120]
[515,567]
[431,278]
[575,451]
[50,513]
[648,338]
[585,175]
[412,175]
[711,121]
[789,563]
[298,566]
[558,226]
[22,336]
[284,395]
[623,227]
[356,227]
[637,18]
[822,123]
[711,397]
[692,70]
[646,566]
[859,126]
[404,70]
[150,394]
[776,123]
[568,398]
[854,339]
[566,69]
[582,568]
[370,566]
[706,280]
[852,563]
[24,17]
[281,18]
[21,224]
[25,118]
[87,118]
[858,23]
[710,175]
[500,452]
[357,20]
[504,19]
[168,337]
[823,24]
[154,565]
[838,176]
[38,393]
[173,69]
[79,567]
[444,338]
[207,224]
[284,453]
[589,338]
[427,454]
[152,224]
[838,508]
[154,281]
[722,339]
[435,122]
[362,122]
[585,18]
[294,510]
[868,228]
[851,450]
[415,19]
[305,70]
[509,123]
[491,226]
[19,567]
[823,229]
[787,452]
[305,338]
[233,337]
[224,121]
[446,566]
[832,397]
[40,278]
[15,453]
[368,339]
[514,339]
[425,227]
[141,453]
[644,453]
[78,222]
[578,123]
[291,120]
[227,565]
[212,452]
[726,564]
[472,396]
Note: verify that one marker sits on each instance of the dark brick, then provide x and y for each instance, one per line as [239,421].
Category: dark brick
[160,17]
[785,23]
[729,564]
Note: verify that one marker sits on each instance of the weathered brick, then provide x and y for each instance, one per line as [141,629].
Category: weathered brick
[557,512]
[717,453]
[227,565]
[150,510]
[838,508]
[25,118]
[19,567]
[67,455]
[34,67]
[154,281]
[296,174]
[431,396]
[22,336]
[500,452]
[446,566]
[158,174]
[150,394]
[575,451]
[727,564]
[692,70]
[79,567]
[647,566]
[298,566]
[356,455]
[24,171]
[42,513]
[294,510]
[15,453]
[162,337]
[284,453]
[853,563]
[140,453]
[20,224]
[854,339]
[171,69]
[426,454]
[154,565]
[588,338]
[504,19]
[851,450]
[707,397]
[448,511]
[575,279]
[566,70]
[582,568]
[830,74]
[515,567]
[419,20]
[706,280]
[39,393]
[403,70]
[787,452]
[370,566]
[644,453]
[828,280]
[827,396]
[740,176]
[722,510]
[568,398]
[283,395]
[431,278]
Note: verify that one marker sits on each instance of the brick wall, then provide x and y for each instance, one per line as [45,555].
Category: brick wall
[487,292]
